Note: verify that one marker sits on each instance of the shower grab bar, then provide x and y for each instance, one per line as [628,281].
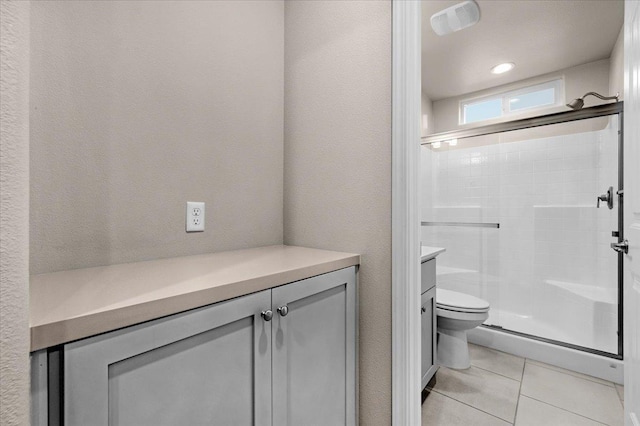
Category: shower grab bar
[467,224]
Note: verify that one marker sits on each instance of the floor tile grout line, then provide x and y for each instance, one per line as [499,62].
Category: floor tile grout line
[496,374]
[495,351]
[491,371]
[565,410]
[620,397]
[583,376]
[471,406]
[555,406]
[621,401]
[515,416]
[535,363]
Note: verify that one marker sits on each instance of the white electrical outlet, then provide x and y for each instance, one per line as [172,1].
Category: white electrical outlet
[195,216]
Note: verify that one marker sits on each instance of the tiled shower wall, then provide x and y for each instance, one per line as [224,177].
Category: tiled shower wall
[550,260]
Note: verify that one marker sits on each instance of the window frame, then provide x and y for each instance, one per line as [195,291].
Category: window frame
[557,84]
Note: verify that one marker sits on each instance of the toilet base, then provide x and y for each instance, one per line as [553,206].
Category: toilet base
[453,349]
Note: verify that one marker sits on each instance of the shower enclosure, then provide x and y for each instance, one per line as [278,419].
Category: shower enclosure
[530,212]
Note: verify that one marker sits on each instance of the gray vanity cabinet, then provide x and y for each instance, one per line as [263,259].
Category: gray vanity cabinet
[230,363]
[428,321]
[207,366]
[314,351]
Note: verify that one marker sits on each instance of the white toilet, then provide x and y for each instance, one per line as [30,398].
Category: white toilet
[457,313]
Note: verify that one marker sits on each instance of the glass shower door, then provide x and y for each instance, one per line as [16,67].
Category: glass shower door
[461,207]
[561,281]
[548,271]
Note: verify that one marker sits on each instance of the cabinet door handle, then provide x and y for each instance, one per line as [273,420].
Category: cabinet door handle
[267,315]
[423,310]
[283,310]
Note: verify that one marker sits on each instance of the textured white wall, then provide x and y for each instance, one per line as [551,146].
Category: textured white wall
[114,112]
[138,107]
[427,115]
[338,161]
[616,70]
[14,208]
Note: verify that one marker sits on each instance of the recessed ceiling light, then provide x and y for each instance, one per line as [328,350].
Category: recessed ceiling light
[453,142]
[436,144]
[502,68]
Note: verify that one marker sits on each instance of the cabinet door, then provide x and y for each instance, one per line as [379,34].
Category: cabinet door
[429,334]
[314,351]
[207,366]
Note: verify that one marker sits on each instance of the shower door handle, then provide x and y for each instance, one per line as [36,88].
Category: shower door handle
[608,197]
[622,247]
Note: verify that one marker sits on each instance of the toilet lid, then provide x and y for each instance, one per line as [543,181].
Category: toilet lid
[455,301]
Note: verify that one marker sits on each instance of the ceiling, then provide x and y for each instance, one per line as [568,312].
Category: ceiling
[538,36]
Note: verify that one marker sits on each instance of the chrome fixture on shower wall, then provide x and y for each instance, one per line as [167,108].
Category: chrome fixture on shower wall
[578,103]
[608,197]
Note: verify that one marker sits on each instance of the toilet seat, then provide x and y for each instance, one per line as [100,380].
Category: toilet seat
[462,316]
[454,301]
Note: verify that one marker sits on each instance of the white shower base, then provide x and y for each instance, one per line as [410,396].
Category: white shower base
[583,362]
[574,313]
[603,340]
[529,325]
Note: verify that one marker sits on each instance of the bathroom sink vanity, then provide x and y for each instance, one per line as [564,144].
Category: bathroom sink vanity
[261,336]
[428,312]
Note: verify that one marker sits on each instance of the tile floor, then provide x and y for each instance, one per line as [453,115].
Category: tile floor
[502,389]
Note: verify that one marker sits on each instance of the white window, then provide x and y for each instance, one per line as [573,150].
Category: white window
[543,95]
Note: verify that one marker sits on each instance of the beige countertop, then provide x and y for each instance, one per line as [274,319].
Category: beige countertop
[71,305]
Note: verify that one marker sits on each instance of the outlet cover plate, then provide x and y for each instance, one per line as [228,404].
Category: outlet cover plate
[195,216]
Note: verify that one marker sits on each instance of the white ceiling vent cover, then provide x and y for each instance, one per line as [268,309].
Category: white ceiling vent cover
[455,18]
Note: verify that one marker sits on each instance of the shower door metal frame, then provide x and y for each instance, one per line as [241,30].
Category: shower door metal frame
[527,123]
[546,120]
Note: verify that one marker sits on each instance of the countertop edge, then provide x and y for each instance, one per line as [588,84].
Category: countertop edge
[432,254]
[60,332]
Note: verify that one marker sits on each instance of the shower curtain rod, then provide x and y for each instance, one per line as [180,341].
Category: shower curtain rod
[527,123]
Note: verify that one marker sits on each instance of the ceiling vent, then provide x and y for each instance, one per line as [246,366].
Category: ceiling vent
[455,18]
